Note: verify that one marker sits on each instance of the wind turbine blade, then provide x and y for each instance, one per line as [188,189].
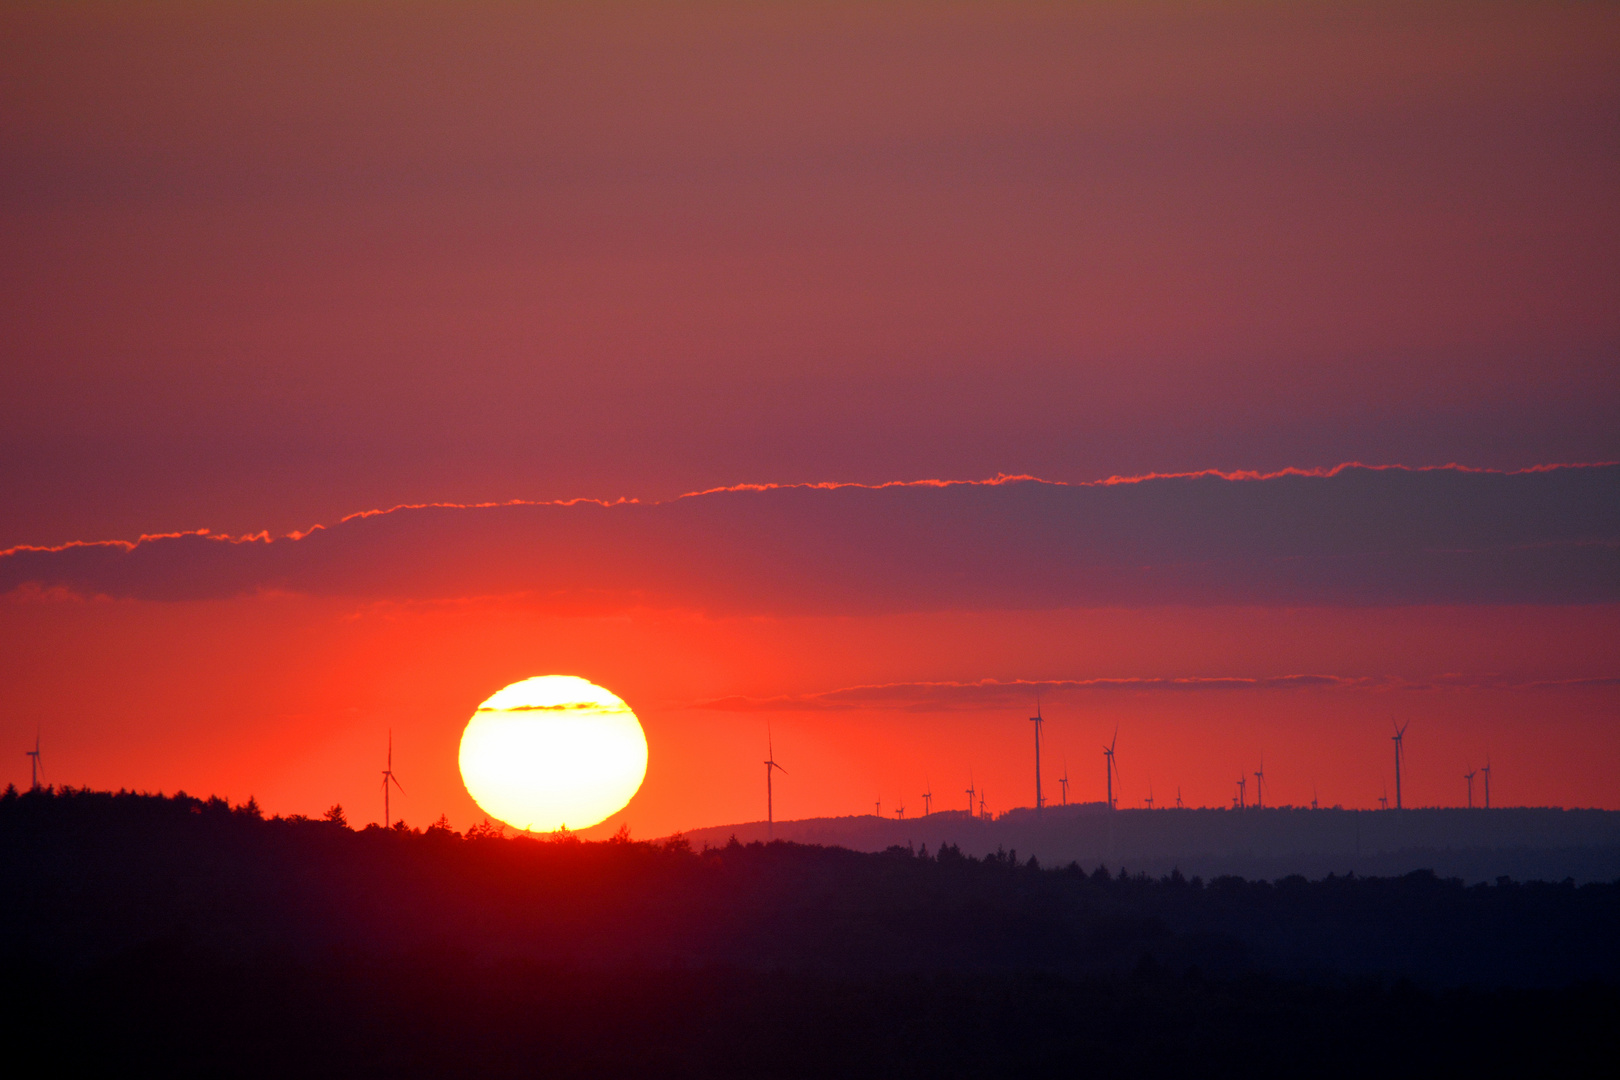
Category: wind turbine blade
[397,784]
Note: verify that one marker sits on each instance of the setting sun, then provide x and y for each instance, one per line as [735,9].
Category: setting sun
[553,751]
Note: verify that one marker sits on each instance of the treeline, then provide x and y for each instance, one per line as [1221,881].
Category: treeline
[95,872]
[205,934]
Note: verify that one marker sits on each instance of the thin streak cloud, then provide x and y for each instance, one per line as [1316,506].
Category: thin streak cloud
[1006,693]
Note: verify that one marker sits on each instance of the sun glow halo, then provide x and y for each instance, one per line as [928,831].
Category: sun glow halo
[553,751]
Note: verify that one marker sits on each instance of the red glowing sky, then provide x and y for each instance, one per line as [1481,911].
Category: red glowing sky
[269,266]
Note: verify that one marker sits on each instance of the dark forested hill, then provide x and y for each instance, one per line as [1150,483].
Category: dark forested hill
[118,903]
[1474,845]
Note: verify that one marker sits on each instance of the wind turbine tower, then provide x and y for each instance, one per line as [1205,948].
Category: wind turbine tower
[1109,767]
[389,778]
[1036,720]
[1242,791]
[928,801]
[33,763]
[900,814]
[981,804]
[970,794]
[879,811]
[1260,785]
[1469,776]
[770,766]
[1178,796]
[1063,783]
[1400,732]
[1487,771]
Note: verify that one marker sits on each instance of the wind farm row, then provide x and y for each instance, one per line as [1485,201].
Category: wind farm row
[1251,836]
[1244,797]
[978,805]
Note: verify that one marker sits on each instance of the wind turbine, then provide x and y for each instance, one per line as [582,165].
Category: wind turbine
[1242,790]
[1469,776]
[389,778]
[1063,782]
[1178,796]
[1400,732]
[981,804]
[1313,797]
[970,794]
[1260,784]
[1487,771]
[900,814]
[1383,800]
[1109,767]
[1036,720]
[1149,799]
[770,766]
[928,801]
[879,811]
[33,763]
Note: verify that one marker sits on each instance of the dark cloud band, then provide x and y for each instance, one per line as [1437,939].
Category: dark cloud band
[1355,535]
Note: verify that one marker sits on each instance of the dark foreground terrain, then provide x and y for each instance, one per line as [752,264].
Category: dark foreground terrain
[206,940]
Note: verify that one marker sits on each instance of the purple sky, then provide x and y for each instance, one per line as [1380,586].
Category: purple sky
[269,265]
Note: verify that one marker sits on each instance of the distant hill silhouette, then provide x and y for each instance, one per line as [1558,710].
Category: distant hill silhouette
[201,938]
[1270,843]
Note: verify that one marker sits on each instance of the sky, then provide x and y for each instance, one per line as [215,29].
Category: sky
[1237,376]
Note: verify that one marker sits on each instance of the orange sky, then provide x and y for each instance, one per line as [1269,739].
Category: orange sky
[272,265]
[290,699]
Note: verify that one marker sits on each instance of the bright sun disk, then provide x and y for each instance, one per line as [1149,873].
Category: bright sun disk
[553,751]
